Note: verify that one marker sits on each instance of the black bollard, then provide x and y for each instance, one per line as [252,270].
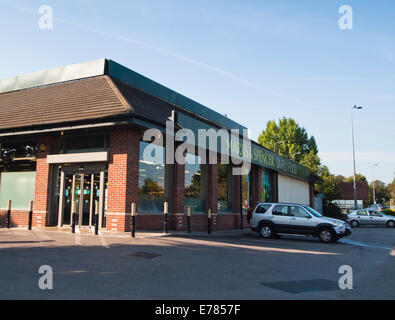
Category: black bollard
[133,226]
[96,218]
[209,222]
[73,218]
[165,220]
[8,222]
[30,215]
[189,220]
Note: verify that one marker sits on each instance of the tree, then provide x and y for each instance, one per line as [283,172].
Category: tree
[358,177]
[290,140]
[383,194]
[340,178]
[329,188]
[391,189]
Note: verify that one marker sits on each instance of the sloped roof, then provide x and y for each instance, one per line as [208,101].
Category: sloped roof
[346,190]
[90,98]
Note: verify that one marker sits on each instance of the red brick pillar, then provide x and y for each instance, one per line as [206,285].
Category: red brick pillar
[41,193]
[178,218]
[123,173]
[259,183]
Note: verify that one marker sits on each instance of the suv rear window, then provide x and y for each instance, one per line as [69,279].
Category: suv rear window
[262,208]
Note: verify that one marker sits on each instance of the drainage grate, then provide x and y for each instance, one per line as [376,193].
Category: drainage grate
[303,285]
[145,255]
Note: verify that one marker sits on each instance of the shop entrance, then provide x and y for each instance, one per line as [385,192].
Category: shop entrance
[84,186]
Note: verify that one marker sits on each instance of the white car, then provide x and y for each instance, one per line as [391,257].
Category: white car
[370,217]
[271,219]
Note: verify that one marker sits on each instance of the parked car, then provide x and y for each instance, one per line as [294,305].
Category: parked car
[272,219]
[370,217]
[378,207]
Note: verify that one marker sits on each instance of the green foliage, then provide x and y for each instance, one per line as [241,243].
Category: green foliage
[331,210]
[391,189]
[389,212]
[290,140]
[383,194]
[358,177]
[329,188]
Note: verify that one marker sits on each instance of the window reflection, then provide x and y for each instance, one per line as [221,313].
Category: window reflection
[151,182]
[194,194]
[18,156]
[266,186]
[224,188]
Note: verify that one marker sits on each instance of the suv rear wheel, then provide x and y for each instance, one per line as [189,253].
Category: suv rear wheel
[266,231]
[326,235]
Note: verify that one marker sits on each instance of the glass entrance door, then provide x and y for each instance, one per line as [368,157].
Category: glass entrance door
[84,189]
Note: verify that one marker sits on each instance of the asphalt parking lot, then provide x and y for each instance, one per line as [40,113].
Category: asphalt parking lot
[232,265]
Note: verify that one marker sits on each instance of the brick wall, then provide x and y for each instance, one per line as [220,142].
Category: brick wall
[18,218]
[123,170]
[176,218]
[41,193]
[212,187]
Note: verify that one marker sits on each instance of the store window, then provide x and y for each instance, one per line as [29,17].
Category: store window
[88,142]
[17,173]
[151,181]
[195,184]
[266,179]
[18,156]
[225,188]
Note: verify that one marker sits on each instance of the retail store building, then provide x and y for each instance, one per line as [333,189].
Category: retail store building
[75,135]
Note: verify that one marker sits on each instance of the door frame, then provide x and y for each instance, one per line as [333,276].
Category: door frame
[81,169]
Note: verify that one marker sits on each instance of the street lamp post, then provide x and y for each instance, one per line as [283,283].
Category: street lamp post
[374,190]
[353,155]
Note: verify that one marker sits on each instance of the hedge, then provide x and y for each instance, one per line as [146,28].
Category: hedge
[389,212]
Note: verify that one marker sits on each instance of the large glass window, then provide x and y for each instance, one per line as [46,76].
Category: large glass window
[18,187]
[195,190]
[266,179]
[83,143]
[18,156]
[151,180]
[225,196]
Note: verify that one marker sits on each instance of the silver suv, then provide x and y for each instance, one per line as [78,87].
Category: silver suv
[270,219]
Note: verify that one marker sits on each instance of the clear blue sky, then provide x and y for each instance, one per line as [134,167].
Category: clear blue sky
[253,60]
